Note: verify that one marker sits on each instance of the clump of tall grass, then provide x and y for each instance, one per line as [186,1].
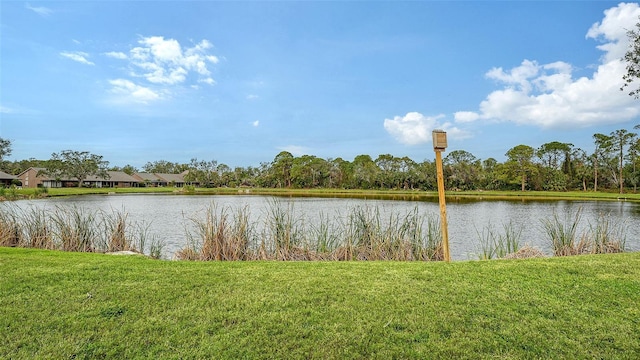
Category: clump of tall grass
[227,235]
[401,237]
[76,228]
[115,227]
[498,245]
[283,233]
[563,234]
[37,232]
[323,235]
[156,247]
[217,237]
[141,237]
[432,241]
[607,235]
[10,228]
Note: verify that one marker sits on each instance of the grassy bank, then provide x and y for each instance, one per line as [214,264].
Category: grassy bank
[373,194]
[76,305]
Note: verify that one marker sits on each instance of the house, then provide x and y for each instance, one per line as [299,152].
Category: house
[160,179]
[6,179]
[31,179]
[148,179]
[35,177]
[116,179]
[176,180]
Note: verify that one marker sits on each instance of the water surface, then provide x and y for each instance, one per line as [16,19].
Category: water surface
[168,216]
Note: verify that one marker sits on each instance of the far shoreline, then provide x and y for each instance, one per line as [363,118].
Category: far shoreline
[405,195]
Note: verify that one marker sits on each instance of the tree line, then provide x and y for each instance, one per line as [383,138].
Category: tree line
[614,164]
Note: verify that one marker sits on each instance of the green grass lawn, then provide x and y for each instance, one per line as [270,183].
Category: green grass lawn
[77,305]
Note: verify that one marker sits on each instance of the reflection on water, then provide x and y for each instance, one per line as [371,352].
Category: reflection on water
[168,215]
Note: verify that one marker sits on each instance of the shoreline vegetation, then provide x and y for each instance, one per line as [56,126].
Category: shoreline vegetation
[360,233]
[67,305]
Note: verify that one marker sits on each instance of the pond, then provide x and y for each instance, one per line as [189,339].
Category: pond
[169,216]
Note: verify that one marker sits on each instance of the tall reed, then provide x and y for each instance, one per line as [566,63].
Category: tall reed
[494,244]
[283,234]
[368,237]
[432,244]
[217,237]
[76,228]
[36,229]
[563,234]
[487,242]
[114,227]
[10,228]
[324,235]
[607,235]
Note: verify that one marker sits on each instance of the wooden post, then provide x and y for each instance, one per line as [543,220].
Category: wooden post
[439,144]
[443,207]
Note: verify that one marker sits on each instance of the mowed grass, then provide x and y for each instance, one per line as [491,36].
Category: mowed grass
[77,305]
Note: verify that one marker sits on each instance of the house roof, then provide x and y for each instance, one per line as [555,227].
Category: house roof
[41,176]
[177,178]
[5,176]
[147,177]
[115,176]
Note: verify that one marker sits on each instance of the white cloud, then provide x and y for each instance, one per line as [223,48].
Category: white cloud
[5,110]
[78,56]
[40,10]
[548,96]
[165,61]
[209,81]
[252,97]
[127,91]
[415,128]
[116,55]
[256,123]
[465,116]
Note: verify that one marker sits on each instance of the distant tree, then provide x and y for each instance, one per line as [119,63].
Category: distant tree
[489,178]
[203,172]
[226,177]
[424,175]
[5,148]
[365,172]
[308,171]
[127,169]
[632,60]
[581,167]
[164,167]
[520,163]
[600,155]
[633,153]
[463,169]
[553,153]
[77,165]
[619,140]
[338,172]
[556,165]
[281,167]
[388,169]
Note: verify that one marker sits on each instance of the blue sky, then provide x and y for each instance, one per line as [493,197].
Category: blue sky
[238,82]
